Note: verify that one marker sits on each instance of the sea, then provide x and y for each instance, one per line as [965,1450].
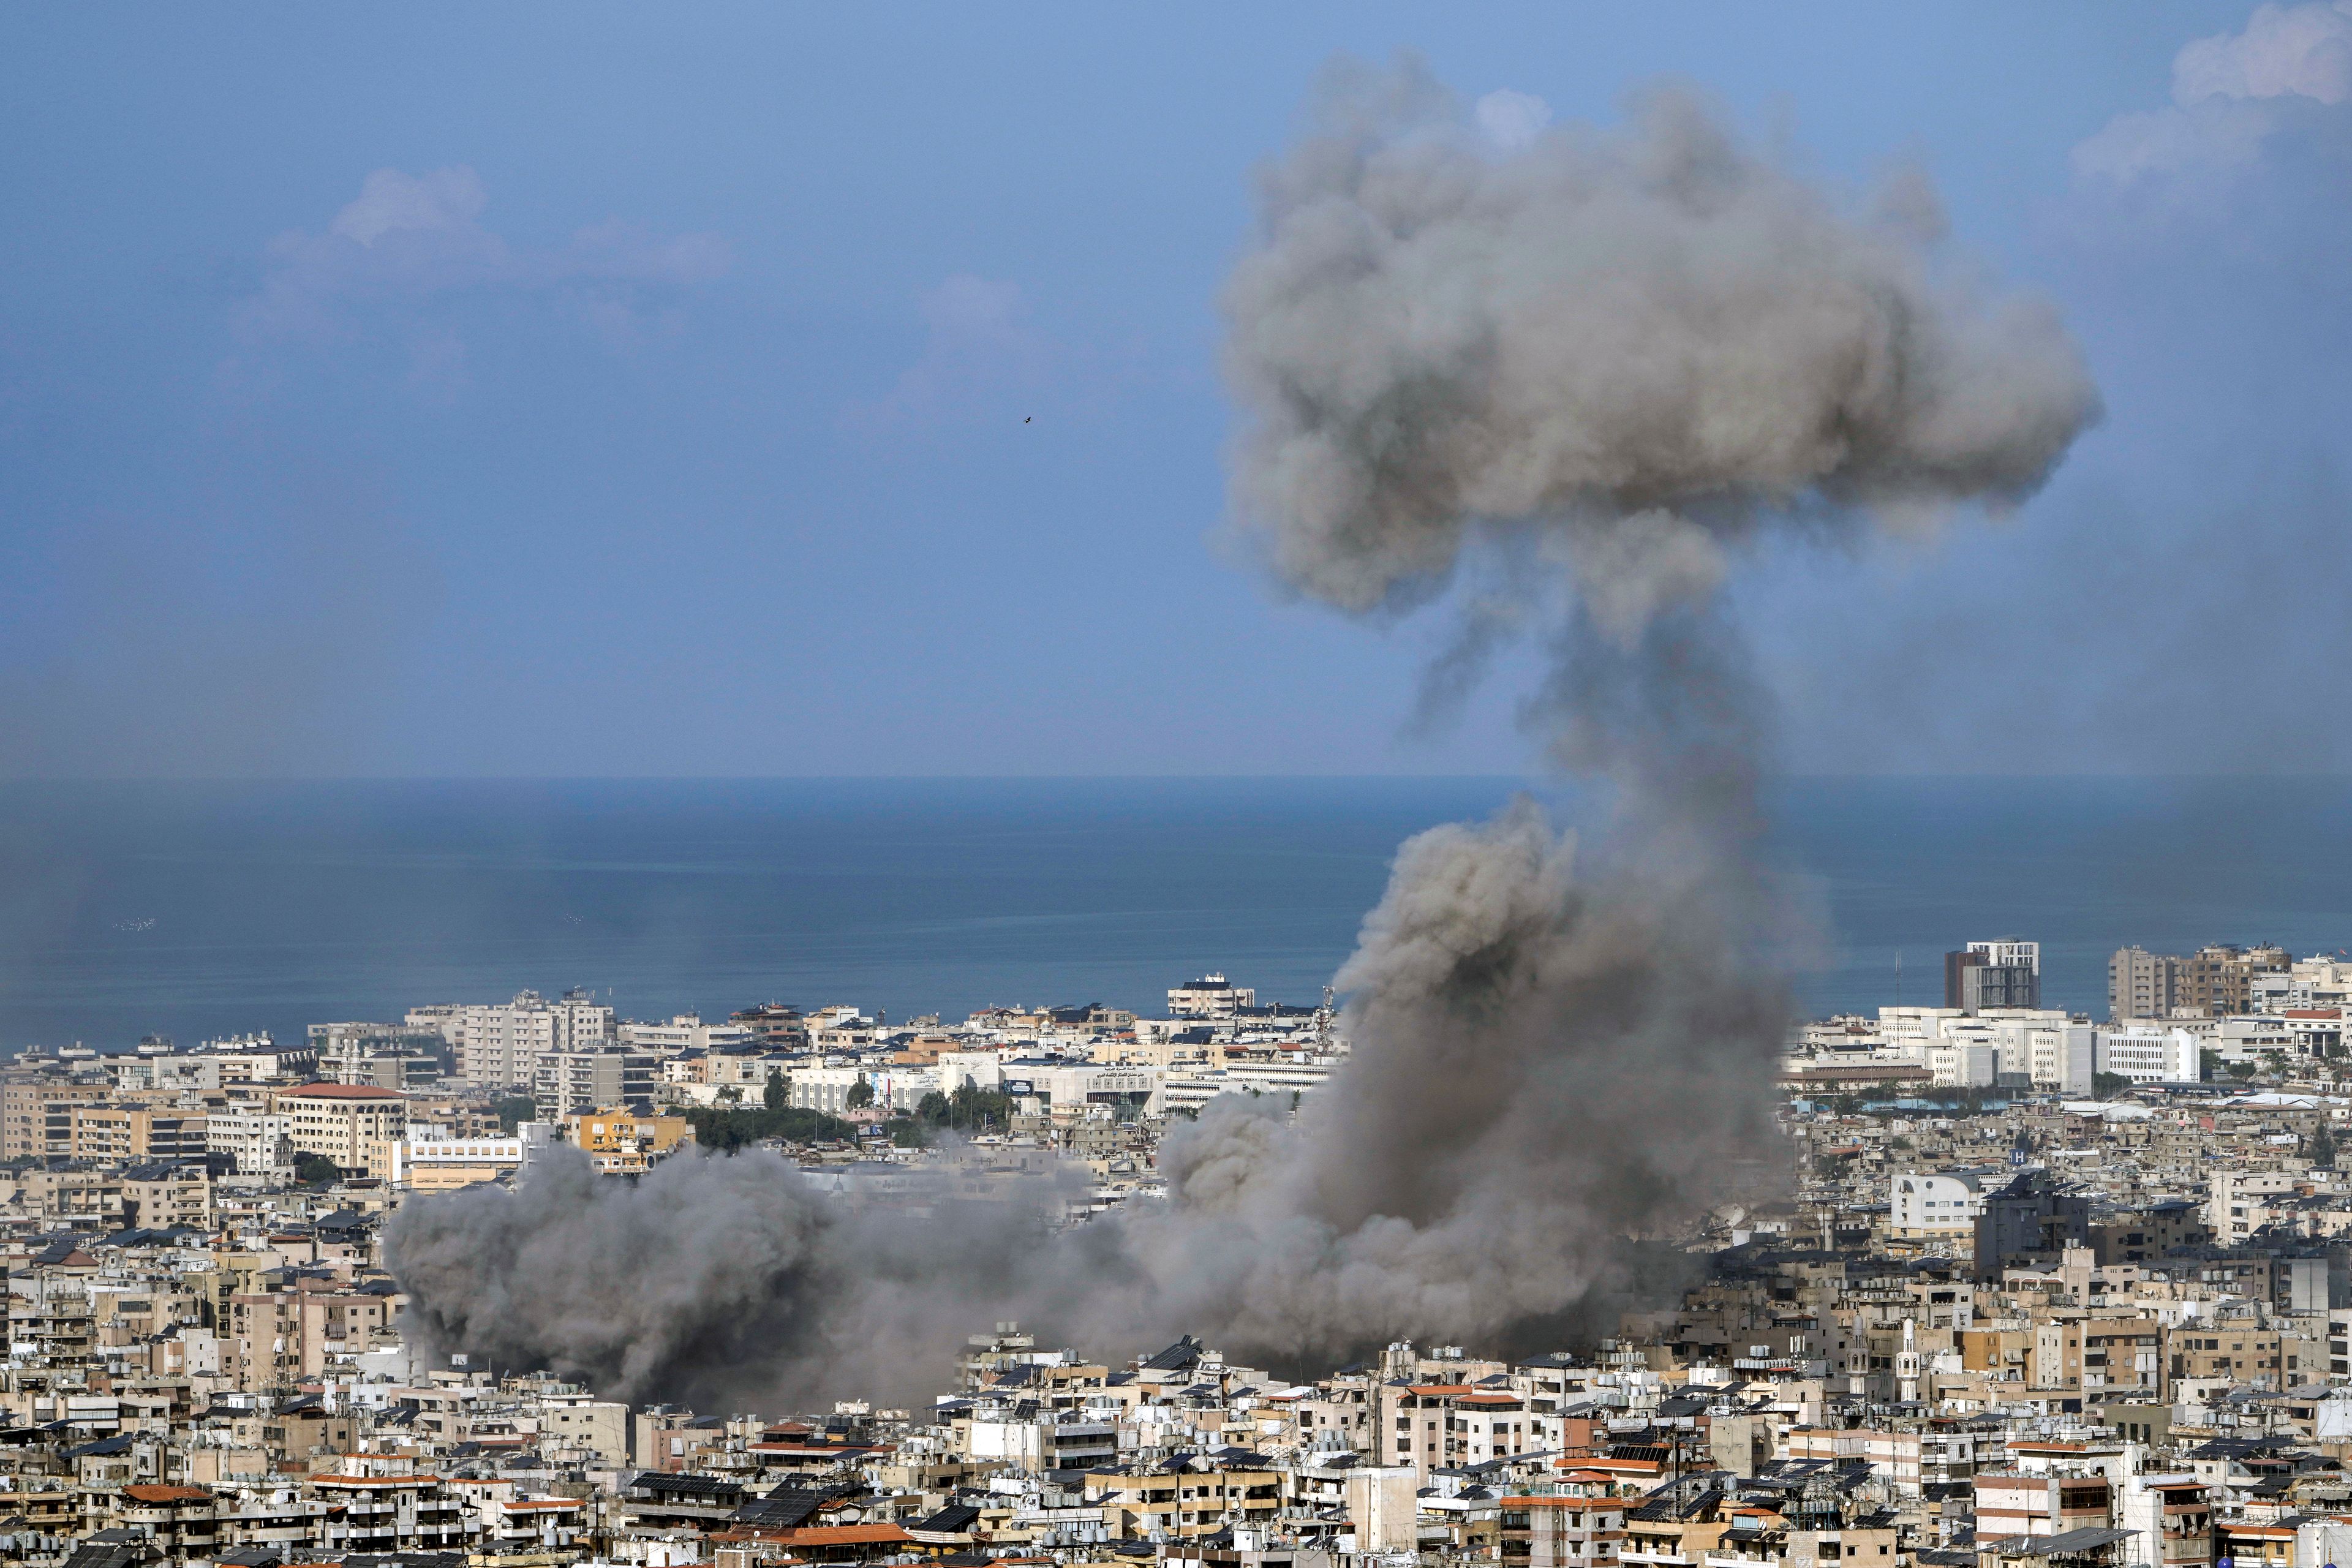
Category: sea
[201,910]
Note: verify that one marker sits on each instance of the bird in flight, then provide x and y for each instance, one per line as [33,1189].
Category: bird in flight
[1026,417]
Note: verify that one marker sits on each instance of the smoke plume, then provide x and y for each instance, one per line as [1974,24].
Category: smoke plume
[1607,359]
[1642,345]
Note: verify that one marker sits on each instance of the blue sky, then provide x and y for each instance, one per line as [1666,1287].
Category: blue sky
[580,390]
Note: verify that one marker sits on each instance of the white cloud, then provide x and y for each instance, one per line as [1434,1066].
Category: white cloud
[979,355]
[2286,52]
[2229,93]
[410,239]
[1512,119]
[446,200]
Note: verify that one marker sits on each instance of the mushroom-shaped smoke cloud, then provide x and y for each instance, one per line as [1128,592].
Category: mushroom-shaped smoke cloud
[1643,344]
[1622,354]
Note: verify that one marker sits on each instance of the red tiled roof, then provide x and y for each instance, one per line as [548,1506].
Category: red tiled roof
[847,1535]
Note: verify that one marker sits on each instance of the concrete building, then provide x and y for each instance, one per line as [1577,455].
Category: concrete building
[2147,1055]
[499,1045]
[427,1161]
[2003,972]
[260,1140]
[2214,983]
[619,1142]
[2028,1217]
[354,1125]
[688,1032]
[568,1082]
[828,1088]
[1925,1204]
[1211,996]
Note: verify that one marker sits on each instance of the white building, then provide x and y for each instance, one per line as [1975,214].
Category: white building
[1961,1065]
[686,1032]
[2008,952]
[2064,1060]
[1072,1087]
[428,1158]
[827,1089]
[498,1045]
[260,1142]
[2147,1055]
[1211,996]
[981,1069]
[1909,1031]
[1923,1205]
[202,1074]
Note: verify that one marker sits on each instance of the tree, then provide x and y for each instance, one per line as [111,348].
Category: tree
[315,1170]
[2108,1084]
[777,1096]
[722,1130]
[2322,1147]
[969,1109]
[513,1111]
[861,1095]
[2208,1063]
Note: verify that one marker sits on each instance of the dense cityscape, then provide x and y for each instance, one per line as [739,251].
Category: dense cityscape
[519,517]
[2031,1288]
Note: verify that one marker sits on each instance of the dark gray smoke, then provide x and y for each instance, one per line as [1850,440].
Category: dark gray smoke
[1612,357]
[715,1278]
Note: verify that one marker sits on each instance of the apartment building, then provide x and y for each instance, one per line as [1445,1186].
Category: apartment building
[425,1159]
[259,1140]
[2234,1208]
[2212,982]
[688,1032]
[498,1045]
[1923,1206]
[354,1125]
[619,1142]
[572,1082]
[28,1112]
[1561,1532]
[276,1339]
[1210,996]
[2011,1504]
[2231,1350]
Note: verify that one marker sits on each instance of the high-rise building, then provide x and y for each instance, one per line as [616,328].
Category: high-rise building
[567,1082]
[499,1045]
[2215,982]
[2218,980]
[2139,985]
[2003,972]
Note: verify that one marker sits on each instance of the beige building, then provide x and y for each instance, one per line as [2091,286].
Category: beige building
[354,1124]
[620,1141]
[426,1160]
[28,1110]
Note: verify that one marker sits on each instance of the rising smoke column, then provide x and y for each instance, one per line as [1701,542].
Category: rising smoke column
[1610,362]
